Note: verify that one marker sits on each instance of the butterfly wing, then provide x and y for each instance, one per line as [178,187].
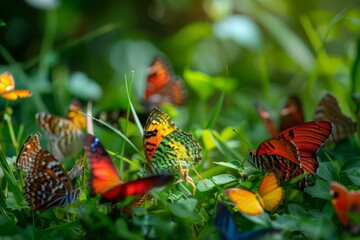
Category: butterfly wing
[245,201]
[7,88]
[265,117]
[270,192]
[340,201]
[162,86]
[7,82]
[292,114]
[308,138]
[28,151]
[281,154]
[135,188]
[157,127]
[15,94]
[65,136]
[47,184]
[104,175]
[328,109]
[166,147]
[75,114]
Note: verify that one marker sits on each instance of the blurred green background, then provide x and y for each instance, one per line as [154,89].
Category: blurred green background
[250,50]
[253,51]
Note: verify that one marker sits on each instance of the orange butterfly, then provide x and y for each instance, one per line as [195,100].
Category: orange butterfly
[328,109]
[7,88]
[291,115]
[294,150]
[105,179]
[345,202]
[162,86]
[66,134]
[268,198]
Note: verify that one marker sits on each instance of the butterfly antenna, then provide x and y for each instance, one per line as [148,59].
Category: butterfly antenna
[199,176]
[242,139]
[89,121]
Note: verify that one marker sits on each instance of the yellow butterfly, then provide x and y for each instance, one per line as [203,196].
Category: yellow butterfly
[268,198]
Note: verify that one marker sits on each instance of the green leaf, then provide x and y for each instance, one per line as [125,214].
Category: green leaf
[215,113]
[2,23]
[320,190]
[228,164]
[223,179]
[354,176]
[326,171]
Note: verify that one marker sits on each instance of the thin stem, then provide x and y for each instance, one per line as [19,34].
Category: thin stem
[7,118]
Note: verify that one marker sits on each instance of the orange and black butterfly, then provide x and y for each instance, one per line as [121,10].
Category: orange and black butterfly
[293,151]
[291,115]
[268,197]
[105,180]
[328,109]
[66,134]
[162,85]
[345,203]
[46,184]
[7,88]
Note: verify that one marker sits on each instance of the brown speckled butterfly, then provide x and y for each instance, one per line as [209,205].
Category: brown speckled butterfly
[66,134]
[46,183]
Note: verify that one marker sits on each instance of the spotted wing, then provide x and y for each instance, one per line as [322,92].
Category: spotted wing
[65,136]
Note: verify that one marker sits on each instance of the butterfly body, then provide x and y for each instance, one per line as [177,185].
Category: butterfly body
[293,151]
[168,149]
[268,198]
[66,134]
[105,180]
[47,184]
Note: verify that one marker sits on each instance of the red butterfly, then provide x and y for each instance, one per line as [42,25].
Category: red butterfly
[47,184]
[105,179]
[162,86]
[345,202]
[293,151]
[328,109]
[291,115]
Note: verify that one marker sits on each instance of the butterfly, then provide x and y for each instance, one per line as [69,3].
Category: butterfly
[168,149]
[293,151]
[291,115]
[7,88]
[345,202]
[105,180]
[47,184]
[328,109]
[268,198]
[162,86]
[66,134]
